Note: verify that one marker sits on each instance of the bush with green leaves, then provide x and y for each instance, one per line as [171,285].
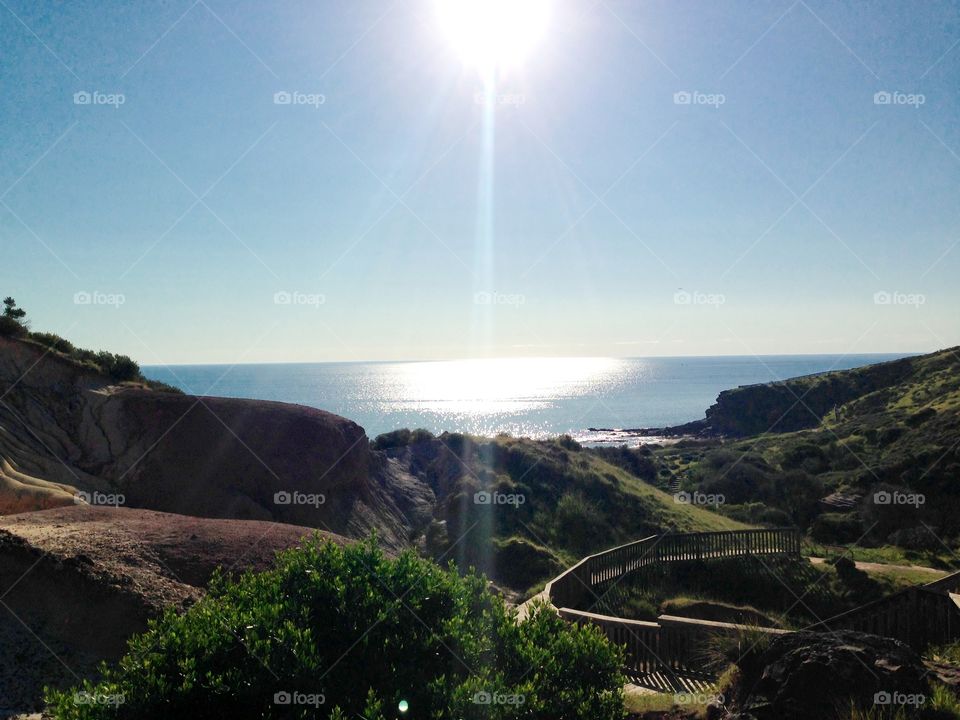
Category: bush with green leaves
[119,367]
[337,632]
[579,522]
[12,323]
[401,438]
[53,341]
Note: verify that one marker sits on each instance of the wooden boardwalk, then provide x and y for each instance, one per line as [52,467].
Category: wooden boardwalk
[666,655]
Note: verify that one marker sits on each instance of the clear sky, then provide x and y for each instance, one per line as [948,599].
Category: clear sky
[657,178]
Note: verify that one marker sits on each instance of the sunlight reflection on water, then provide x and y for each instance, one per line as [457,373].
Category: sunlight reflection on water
[486,396]
[522,396]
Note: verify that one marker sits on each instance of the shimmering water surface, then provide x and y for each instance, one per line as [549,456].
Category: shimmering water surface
[529,396]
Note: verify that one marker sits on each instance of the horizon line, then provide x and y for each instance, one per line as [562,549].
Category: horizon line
[541,357]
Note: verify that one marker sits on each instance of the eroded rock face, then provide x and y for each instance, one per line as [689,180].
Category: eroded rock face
[65,429]
[816,675]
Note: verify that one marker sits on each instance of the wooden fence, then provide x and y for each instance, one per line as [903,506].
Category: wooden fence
[919,616]
[577,584]
[670,643]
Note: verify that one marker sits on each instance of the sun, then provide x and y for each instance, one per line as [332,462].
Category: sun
[491,35]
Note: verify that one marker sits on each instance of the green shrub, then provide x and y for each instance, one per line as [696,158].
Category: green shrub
[401,438]
[757,513]
[579,523]
[854,579]
[521,563]
[836,528]
[120,367]
[743,647]
[919,418]
[9,327]
[889,435]
[54,341]
[12,323]
[640,606]
[805,456]
[364,632]
[636,461]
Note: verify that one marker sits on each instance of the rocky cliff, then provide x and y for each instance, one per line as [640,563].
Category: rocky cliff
[69,432]
[801,403]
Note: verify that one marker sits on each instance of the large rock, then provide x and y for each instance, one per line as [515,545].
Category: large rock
[65,428]
[806,675]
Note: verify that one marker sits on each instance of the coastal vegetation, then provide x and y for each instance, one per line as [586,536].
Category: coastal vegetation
[346,632]
[520,510]
[121,368]
[771,592]
[864,457]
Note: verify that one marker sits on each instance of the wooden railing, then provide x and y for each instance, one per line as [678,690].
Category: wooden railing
[640,639]
[570,589]
[670,642]
[919,616]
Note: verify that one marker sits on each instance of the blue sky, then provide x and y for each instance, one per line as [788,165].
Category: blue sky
[783,209]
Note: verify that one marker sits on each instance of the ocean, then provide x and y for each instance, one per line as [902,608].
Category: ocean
[589,398]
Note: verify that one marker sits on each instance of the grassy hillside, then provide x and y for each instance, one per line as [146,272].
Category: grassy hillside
[887,437]
[521,510]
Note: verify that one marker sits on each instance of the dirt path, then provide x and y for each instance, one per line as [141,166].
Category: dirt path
[880,567]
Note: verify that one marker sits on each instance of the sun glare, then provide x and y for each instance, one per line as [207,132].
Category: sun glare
[493,34]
